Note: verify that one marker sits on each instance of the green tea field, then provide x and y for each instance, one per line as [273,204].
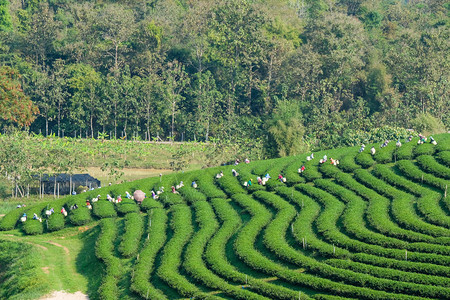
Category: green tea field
[373,226]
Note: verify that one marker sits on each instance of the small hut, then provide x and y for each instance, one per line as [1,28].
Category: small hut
[65,184]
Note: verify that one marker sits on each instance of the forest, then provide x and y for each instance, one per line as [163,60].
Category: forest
[292,74]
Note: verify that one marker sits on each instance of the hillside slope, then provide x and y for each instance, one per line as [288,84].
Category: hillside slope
[372,227]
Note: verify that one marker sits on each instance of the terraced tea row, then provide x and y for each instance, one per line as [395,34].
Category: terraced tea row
[372,227]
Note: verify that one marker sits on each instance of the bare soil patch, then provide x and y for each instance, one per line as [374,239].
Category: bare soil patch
[61,295]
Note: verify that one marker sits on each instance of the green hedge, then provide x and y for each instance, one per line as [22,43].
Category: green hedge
[428,202]
[171,255]
[134,228]
[127,206]
[424,149]
[406,150]
[56,221]
[150,203]
[104,209]
[385,155]
[444,157]
[389,273]
[104,249]
[378,211]
[411,171]
[430,165]
[9,221]
[206,185]
[230,185]
[193,258]
[286,213]
[347,163]
[402,206]
[169,199]
[364,159]
[216,257]
[32,227]
[191,195]
[303,224]
[244,247]
[140,282]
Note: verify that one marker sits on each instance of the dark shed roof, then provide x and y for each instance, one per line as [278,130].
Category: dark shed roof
[66,178]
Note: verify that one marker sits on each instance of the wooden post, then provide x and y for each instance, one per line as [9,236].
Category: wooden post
[406,254]
[58,189]
[334,249]
[303,242]
[28,190]
[422,178]
[292,228]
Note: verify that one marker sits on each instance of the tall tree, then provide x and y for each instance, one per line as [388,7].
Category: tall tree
[117,25]
[15,106]
[85,103]
[5,17]
[207,99]
[41,36]
[175,81]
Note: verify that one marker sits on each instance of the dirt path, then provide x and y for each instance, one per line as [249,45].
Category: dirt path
[61,246]
[61,295]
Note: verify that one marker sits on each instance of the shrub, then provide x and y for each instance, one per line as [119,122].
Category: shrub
[104,209]
[169,199]
[231,185]
[127,206]
[9,221]
[444,157]
[364,159]
[150,203]
[347,163]
[191,195]
[427,124]
[134,227]
[140,283]
[424,149]
[32,227]
[80,216]
[81,189]
[55,221]
[430,165]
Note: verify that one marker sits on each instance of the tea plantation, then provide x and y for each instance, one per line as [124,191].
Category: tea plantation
[371,227]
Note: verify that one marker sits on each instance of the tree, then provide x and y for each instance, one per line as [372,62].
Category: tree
[15,106]
[237,40]
[84,82]
[286,130]
[5,17]
[40,38]
[206,99]
[175,81]
[117,26]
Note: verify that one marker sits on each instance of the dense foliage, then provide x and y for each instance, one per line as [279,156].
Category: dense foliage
[294,74]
